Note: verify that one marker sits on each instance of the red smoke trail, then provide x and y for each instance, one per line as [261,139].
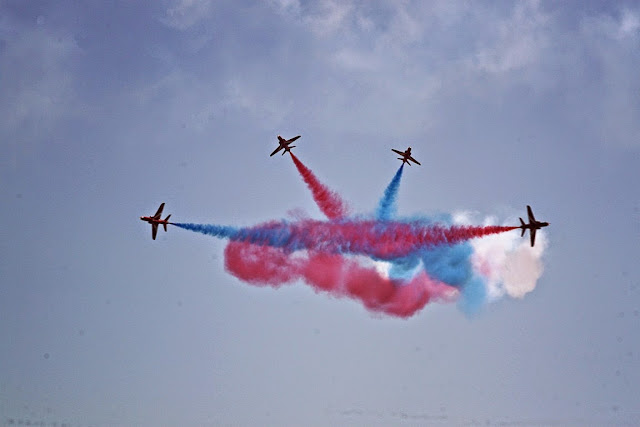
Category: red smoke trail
[329,202]
[386,240]
[336,275]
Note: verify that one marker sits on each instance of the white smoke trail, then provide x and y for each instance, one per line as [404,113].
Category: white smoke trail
[506,261]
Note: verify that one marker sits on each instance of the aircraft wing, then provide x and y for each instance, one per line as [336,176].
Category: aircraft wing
[533,236]
[398,151]
[530,212]
[414,160]
[159,213]
[154,230]
[276,150]
[294,138]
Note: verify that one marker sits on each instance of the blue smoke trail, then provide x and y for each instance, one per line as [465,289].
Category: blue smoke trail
[387,205]
[222,231]
[275,234]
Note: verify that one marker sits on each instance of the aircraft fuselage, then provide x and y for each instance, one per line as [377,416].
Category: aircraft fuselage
[152,220]
[537,225]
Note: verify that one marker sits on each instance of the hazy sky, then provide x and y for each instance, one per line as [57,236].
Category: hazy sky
[109,108]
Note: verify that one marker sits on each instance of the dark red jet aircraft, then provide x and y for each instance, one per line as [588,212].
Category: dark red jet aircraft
[532,226]
[284,143]
[406,156]
[155,220]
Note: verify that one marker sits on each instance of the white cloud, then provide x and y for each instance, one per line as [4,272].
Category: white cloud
[357,60]
[189,101]
[323,17]
[629,25]
[520,41]
[37,85]
[184,14]
[625,26]
[287,6]
[329,16]
[401,57]
[267,108]
[611,43]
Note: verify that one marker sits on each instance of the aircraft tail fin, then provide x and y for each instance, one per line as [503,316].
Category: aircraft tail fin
[166,219]
[522,226]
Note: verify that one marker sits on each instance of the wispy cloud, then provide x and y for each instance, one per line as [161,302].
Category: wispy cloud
[184,14]
[37,83]
[520,40]
[346,63]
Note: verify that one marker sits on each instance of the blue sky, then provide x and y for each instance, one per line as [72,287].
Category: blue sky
[109,109]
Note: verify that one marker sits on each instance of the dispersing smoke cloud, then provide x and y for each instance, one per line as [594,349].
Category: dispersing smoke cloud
[336,275]
[392,266]
[506,261]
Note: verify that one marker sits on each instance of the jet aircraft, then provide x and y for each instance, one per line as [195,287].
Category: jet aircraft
[532,226]
[406,156]
[284,143]
[155,220]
